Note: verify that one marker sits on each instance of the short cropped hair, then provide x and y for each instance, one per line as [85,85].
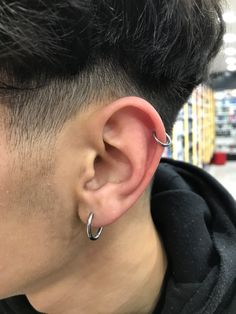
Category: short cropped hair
[58,57]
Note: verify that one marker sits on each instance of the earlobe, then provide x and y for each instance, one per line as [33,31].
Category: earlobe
[128,161]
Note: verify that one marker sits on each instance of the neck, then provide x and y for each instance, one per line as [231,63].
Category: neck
[120,273]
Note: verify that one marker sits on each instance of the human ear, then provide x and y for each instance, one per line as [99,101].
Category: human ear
[125,163]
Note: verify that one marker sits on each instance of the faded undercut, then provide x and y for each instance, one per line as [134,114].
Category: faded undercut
[58,57]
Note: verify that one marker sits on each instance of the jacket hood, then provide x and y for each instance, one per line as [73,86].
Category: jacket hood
[196,218]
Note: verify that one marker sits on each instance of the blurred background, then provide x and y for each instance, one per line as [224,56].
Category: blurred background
[205,131]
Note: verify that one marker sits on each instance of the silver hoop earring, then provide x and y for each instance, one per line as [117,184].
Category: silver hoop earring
[167,144]
[89,229]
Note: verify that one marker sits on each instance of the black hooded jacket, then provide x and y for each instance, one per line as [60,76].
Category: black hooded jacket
[196,218]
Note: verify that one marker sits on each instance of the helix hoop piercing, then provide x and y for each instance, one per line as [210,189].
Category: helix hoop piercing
[90,234]
[167,144]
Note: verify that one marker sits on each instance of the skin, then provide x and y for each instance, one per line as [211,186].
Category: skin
[102,162]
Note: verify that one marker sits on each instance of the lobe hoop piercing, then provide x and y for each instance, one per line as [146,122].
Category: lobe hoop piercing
[90,235]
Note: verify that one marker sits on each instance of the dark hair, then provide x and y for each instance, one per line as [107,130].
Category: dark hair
[56,56]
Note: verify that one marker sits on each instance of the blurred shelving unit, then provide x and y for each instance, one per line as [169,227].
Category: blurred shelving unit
[194,131]
[226,123]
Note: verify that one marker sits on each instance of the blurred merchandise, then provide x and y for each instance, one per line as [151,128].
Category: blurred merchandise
[194,131]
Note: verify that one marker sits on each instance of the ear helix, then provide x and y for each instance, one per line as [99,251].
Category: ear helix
[95,237]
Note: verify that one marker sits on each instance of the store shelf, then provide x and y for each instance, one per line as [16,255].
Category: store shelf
[194,131]
[226,123]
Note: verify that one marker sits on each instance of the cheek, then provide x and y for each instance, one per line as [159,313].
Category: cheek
[37,230]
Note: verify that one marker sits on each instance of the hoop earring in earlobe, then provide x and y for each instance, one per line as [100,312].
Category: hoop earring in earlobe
[167,144]
[89,229]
